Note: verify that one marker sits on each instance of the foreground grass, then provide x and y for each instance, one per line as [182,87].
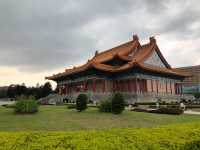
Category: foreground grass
[59,118]
[172,137]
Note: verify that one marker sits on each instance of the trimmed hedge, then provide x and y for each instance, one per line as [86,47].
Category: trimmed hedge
[26,106]
[105,106]
[172,137]
[117,103]
[168,110]
[71,106]
[81,102]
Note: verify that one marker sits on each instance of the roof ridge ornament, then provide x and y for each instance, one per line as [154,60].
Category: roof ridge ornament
[96,53]
[152,39]
[135,37]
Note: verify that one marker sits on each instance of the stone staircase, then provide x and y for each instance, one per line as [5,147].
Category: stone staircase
[52,99]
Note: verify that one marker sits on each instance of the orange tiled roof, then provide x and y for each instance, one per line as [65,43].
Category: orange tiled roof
[132,52]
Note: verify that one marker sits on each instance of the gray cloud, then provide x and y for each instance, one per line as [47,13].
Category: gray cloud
[42,35]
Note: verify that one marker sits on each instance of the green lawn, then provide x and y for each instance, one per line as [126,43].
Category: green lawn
[58,118]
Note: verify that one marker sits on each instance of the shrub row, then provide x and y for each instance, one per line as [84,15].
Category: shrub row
[168,110]
[173,137]
[26,106]
[81,102]
[116,105]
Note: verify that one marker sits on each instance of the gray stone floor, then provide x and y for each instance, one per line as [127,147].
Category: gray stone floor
[191,112]
[6,101]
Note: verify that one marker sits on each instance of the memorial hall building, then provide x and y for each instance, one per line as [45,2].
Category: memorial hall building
[138,71]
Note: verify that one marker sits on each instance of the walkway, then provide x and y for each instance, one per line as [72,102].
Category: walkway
[191,112]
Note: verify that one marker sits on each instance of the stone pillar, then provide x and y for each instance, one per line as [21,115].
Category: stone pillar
[122,85]
[129,86]
[181,88]
[145,85]
[94,85]
[136,85]
[65,89]
[171,87]
[151,85]
[113,83]
[157,86]
[104,85]
[117,85]
[140,85]
[85,86]
[60,90]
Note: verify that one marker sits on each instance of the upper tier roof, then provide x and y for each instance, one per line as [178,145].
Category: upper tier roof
[132,52]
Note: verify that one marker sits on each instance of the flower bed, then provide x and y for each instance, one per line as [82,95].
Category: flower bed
[172,137]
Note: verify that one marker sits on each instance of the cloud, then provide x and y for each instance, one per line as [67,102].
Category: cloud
[38,36]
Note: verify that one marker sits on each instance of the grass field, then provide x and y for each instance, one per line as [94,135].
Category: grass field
[59,118]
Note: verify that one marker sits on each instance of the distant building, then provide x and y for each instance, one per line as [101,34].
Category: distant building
[191,84]
[139,72]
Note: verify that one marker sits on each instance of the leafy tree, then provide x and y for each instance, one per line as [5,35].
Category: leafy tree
[38,92]
[197,95]
[81,102]
[3,92]
[11,91]
[46,89]
[117,104]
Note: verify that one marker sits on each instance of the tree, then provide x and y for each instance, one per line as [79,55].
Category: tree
[81,102]
[46,89]
[117,104]
[3,92]
[11,91]
[16,90]
[197,95]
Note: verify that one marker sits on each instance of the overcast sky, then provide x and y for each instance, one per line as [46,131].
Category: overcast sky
[41,37]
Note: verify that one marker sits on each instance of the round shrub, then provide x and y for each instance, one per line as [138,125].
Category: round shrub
[105,106]
[117,103]
[26,106]
[81,102]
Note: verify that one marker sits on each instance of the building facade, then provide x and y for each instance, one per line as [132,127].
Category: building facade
[139,72]
[191,84]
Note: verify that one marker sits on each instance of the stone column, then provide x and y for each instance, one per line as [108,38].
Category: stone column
[157,86]
[113,85]
[151,85]
[94,85]
[136,85]
[129,86]
[60,90]
[104,85]
[171,87]
[85,86]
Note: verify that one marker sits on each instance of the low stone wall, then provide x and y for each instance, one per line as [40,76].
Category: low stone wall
[133,97]
[129,97]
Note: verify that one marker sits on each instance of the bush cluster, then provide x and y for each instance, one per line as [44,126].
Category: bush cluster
[26,105]
[172,137]
[105,106]
[71,106]
[81,102]
[168,110]
[116,105]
